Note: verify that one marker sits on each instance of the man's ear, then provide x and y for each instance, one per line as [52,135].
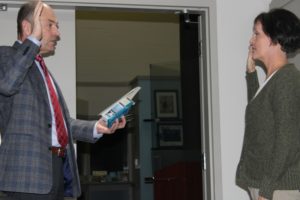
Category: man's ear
[27,28]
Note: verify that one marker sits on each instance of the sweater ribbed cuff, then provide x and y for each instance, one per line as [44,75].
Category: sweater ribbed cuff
[267,189]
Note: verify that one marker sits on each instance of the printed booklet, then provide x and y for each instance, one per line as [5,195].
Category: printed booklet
[119,108]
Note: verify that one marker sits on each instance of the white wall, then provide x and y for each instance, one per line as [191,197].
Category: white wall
[120,3]
[9,33]
[235,20]
[279,3]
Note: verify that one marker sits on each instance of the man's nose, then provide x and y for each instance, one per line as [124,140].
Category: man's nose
[57,33]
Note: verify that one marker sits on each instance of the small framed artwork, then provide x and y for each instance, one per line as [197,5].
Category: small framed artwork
[166,104]
[170,135]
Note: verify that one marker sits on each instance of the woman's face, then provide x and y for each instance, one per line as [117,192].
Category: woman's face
[260,43]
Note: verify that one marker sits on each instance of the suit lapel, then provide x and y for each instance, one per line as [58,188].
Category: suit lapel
[36,80]
[38,83]
[39,87]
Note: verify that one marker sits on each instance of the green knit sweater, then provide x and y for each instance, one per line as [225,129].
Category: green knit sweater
[270,158]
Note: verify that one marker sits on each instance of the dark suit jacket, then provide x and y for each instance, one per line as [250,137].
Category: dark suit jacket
[25,124]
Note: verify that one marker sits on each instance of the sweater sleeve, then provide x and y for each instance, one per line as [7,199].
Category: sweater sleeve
[286,114]
[252,84]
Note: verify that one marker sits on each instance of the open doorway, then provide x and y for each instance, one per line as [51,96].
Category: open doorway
[115,50]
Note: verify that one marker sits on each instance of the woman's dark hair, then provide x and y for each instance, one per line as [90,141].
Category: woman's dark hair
[283,27]
[25,13]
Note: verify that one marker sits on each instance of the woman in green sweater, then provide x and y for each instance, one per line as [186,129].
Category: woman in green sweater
[269,166]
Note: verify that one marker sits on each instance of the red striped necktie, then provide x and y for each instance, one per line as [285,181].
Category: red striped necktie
[61,130]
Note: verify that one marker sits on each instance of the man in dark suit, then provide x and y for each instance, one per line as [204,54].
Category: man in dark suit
[37,158]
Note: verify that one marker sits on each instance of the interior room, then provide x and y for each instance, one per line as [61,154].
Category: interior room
[112,58]
[228,27]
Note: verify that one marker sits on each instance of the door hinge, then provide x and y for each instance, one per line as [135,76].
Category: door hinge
[200,48]
[203,161]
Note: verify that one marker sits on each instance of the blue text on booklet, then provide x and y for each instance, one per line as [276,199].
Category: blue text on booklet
[117,112]
[119,108]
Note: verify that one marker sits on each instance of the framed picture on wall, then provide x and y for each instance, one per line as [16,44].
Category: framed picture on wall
[170,135]
[166,104]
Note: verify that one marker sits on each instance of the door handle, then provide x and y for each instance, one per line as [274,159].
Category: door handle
[149,180]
